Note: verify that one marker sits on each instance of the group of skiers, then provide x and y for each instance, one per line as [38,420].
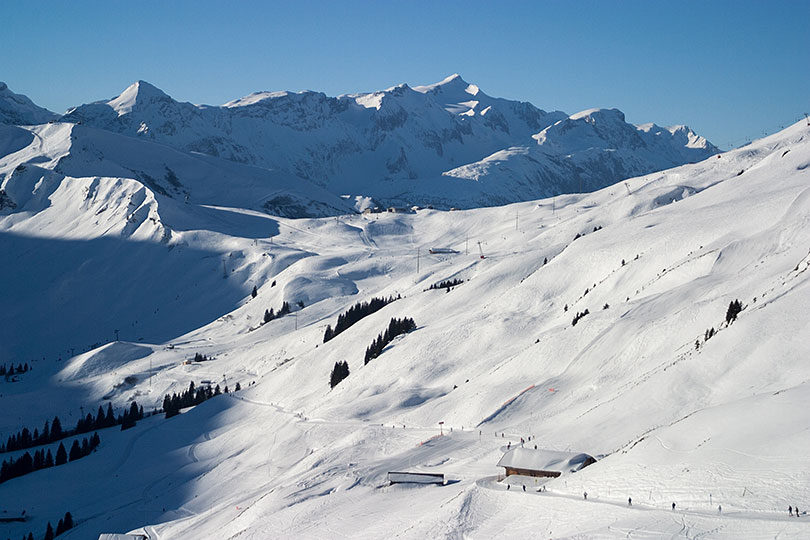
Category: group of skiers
[792,510]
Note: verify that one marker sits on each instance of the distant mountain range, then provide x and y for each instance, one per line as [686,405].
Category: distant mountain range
[447,144]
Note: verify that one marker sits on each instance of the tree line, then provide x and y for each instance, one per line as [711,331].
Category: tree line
[395,328]
[446,284]
[11,370]
[64,525]
[269,314]
[53,431]
[578,316]
[355,313]
[190,397]
[43,459]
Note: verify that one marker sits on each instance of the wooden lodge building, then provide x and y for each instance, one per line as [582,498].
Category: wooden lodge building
[542,463]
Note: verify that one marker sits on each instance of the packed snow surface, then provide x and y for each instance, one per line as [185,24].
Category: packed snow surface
[109,285]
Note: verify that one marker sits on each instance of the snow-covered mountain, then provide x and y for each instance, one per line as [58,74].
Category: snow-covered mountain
[407,145]
[58,151]
[18,109]
[594,323]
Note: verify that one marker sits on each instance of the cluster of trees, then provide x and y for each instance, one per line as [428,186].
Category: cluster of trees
[269,314]
[202,358]
[339,372]
[25,439]
[103,420]
[395,328]
[53,431]
[578,316]
[43,459]
[734,309]
[355,313]
[446,284]
[64,525]
[11,370]
[192,396]
[580,235]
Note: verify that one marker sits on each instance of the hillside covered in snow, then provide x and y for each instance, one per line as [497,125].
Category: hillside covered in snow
[595,323]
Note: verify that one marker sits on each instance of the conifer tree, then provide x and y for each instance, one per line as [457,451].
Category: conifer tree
[61,455]
[75,451]
[56,429]
[49,532]
[109,419]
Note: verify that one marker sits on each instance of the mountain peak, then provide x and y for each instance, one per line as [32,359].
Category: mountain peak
[453,84]
[19,109]
[138,93]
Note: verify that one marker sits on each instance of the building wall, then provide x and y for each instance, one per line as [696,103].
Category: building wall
[528,472]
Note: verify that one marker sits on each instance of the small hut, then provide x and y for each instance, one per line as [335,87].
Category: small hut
[543,463]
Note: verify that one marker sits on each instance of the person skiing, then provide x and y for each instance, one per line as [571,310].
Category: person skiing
[524,487]
[719,509]
[508,486]
[796,508]
[673,506]
[585,495]
[629,501]
[790,511]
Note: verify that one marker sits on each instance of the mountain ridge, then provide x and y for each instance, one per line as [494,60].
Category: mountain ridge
[399,145]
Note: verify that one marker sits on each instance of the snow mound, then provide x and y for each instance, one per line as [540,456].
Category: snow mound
[103,360]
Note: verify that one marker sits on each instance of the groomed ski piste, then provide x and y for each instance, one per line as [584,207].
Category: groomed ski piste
[717,426]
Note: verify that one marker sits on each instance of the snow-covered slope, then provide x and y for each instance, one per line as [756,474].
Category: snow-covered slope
[17,109]
[78,151]
[394,145]
[655,261]
[581,153]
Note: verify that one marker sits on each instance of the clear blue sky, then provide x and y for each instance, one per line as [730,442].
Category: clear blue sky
[729,69]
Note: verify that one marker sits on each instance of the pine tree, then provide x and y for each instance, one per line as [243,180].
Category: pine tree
[60,527]
[99,421]
[109,419]
[75,451]
[68,521]
[734,308]
[48,459]
[254,292]
[49,532]
[61,455]
[56,429]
